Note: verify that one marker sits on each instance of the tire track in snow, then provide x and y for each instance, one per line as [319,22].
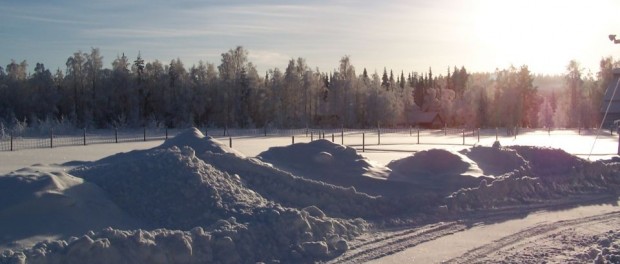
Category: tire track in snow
[480,252]
[393,242]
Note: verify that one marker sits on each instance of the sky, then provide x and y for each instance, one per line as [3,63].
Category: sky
[412,36]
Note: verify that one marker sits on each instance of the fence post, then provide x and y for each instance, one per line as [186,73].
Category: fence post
[363,142]
[495,133]
[418,135]
[115,135]
[206,131]
[342,136]
[478,134]
[167,132]
[51,138]
[463,136]
[265,130]
[515,132]
[410,128]
[311,136]
[292,139]
[11,140]
[379,136]
[144,133]
[84,136]
[230,142]
[332,137]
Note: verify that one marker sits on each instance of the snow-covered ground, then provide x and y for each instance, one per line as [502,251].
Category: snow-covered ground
[391,201]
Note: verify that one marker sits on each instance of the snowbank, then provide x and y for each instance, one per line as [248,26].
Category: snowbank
[277,234]
[217,215]
[495,161]
[38,204]
[550,174]
[171,188]
[438,170]
[323,160]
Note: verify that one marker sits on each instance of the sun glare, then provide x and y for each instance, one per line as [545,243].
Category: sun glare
[546,34]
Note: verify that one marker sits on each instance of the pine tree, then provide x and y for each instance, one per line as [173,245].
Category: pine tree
[385,82]
[430,79]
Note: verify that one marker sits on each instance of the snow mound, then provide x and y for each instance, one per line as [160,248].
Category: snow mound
[436,170]
[437,162]
[218,196]
[192,137]
[277,235]
[56,205]
[322,160]
[171,187]
[547,161]
[275,184]
[338,165]
[495,161]
[551,174]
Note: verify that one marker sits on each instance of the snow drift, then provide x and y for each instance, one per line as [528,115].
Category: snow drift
[323,160]
[170,188]
[55,204]
[338,165]
[438,170]
[495,161]
[548,174]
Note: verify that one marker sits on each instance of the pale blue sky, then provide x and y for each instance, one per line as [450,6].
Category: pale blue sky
[401,35]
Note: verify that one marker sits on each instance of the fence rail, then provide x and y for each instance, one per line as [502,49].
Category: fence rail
[31,140]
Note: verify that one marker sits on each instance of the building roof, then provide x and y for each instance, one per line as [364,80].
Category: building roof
[425,117]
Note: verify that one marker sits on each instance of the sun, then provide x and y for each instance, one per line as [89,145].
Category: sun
[542,34]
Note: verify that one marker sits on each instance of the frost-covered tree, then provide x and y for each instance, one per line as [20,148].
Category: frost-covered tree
[574,82]
[76,77]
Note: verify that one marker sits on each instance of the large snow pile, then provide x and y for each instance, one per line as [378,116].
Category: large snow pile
[437,162]
[276,235]
[171,188]
[550,173]
[283,187]
[323,160]
[495,161]
[439,170]
[174,188]
[56,204]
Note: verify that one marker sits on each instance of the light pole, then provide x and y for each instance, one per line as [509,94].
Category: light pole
[612,37]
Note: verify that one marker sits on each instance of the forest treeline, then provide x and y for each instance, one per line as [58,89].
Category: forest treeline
[135,93]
